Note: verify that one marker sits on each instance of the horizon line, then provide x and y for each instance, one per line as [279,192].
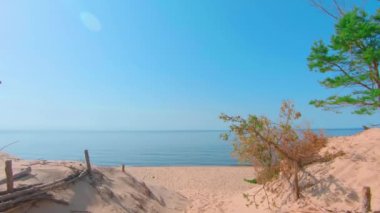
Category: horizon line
[162,130]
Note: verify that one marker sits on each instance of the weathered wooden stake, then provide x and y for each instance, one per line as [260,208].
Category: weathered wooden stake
[87,162]
[123,168]
[21,174]
[9,175]
[296,186]
[366,202]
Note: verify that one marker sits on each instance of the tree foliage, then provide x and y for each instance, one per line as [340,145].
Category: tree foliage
[275,147]
[351,60]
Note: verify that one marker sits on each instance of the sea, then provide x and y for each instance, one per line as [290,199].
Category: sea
[132,148]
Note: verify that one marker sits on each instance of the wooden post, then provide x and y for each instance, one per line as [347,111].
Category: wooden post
[366,202]
[87,162]
[296,186]
[9,175]
[123,168]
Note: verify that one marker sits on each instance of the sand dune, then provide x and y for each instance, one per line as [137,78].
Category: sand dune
[110,190]
[334,186]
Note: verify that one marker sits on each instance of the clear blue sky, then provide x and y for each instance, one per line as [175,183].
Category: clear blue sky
[159,65]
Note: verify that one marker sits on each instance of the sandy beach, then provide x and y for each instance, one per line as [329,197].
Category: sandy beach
[340,181]
[190,106]
[336,188]
[207,188]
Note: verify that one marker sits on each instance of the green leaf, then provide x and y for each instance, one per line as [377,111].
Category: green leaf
[351,62]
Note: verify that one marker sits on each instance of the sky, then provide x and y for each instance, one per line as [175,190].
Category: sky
[160,65]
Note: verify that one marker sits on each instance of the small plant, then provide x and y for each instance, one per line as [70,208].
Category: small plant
[275,147]
[253,181]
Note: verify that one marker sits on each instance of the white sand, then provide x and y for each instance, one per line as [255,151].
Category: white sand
[207,188]
[337,185]
[336,188]
[114,192]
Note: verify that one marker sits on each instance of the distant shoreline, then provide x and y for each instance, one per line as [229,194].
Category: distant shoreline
[176,148]
[144,131]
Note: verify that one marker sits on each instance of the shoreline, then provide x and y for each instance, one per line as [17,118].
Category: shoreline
[159,149]
[210,188]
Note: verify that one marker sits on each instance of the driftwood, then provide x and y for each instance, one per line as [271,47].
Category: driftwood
[20,188]
[34,197]
[23,173]
[36,192]
[2,148]
[24,199]
[45,187]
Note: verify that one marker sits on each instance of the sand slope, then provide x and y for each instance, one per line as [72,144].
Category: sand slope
[111,190]
[335,186]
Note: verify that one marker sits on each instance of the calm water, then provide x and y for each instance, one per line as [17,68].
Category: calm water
[135,148]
